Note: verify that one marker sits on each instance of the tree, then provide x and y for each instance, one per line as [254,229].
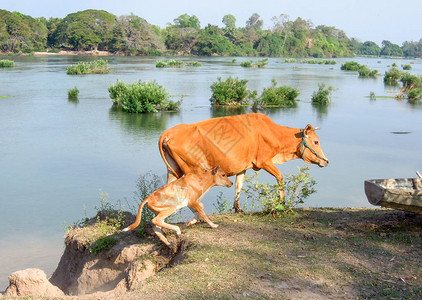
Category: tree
[229,21]
[390,49]
[369,48]
[86,30]
[185,21]
[254,22]
[212,41]
[136,36]
[412,49]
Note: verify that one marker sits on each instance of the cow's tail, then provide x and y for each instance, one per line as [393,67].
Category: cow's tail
[138,216]
[167,156]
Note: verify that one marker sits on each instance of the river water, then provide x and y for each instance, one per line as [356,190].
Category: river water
[57,156]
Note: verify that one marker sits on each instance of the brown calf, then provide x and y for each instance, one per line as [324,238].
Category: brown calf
[185,191]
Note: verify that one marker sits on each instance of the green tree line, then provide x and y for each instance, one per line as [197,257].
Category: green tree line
[133,35]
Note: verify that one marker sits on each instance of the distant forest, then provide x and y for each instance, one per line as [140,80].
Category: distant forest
[132,35]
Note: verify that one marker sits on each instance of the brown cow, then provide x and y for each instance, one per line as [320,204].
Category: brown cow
[185,191]
[236,144]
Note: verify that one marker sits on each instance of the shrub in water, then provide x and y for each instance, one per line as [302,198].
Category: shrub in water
[323,95]
[278,95]
[73,93]
[290,60]
[194,64]
[140,97]
[350,66]
[364,71]
[246,64]
[262,63]
[232,91]
[392,76]
[407,67]
[6,63]
[172,63]
[99,66]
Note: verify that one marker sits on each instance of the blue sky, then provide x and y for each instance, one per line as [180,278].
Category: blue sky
[375,20]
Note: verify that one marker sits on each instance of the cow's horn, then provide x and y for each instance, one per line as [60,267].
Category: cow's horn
[316,128]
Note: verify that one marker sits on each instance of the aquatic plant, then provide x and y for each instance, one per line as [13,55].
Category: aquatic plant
[73,93]
[232,91]
[140,97]
[278,95]
[322,95]
[99,66]
[6,63]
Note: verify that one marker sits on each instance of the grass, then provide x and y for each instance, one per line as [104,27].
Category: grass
[99,66]
[316,253]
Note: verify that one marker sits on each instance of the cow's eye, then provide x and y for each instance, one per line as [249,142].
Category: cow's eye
[316,142]
[224,175]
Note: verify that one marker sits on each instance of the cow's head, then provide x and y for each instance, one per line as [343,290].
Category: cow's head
[310,148]
[220,177]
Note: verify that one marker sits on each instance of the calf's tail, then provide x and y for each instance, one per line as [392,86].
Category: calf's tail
[138,217]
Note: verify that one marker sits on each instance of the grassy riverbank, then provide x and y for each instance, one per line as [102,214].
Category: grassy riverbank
[314,254]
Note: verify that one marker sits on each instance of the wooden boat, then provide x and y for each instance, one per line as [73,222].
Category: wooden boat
[401,193]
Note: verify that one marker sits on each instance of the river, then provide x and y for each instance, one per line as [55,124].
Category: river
[57,156]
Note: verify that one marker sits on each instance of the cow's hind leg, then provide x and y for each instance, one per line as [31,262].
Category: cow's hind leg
[240,178]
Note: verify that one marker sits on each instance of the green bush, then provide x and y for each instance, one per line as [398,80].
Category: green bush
[364,71]
[415,94]
[407,67]
[194,64]
[172,63]
[350,66]
[6,63]
[232,91]
[392,76]
[99,66]
[327,62]
[278,95]
[297,187]
[410,81]
[246,64]
[262,63]
[73,93]
[309,61]
[290,60]
[140,97]
[322,95]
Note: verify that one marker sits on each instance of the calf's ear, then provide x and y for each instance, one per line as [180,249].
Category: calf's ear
[214,171]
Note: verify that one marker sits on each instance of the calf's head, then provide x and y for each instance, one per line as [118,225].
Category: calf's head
[220,177]
[310,148]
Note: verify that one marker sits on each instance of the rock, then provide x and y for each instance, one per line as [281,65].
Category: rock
[123,266]
[31,282]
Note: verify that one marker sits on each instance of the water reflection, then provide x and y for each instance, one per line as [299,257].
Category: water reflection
[222,111]
[321,110]
[136,123]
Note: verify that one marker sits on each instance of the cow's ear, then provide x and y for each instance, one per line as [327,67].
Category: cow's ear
[205,167]
[308,129]
[214,171]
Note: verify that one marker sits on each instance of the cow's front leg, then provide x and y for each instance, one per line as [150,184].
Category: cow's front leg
[240,179]
[272,169]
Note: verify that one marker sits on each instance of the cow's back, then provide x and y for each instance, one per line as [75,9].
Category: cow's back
[229,142]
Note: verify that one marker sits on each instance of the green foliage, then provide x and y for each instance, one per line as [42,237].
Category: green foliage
[73,93]
[232,91]
[290,60]
[172,63]
[102,244]
[323,95]
[6,63]
[297,188]
[392,76]
[364,71]
[141,97]
[309,61]
[262,63]
[222,204]
[279,96]
[86,30]
[246,64]
[194,64]
[350,66]
[407,67]
[369,48]
[99,66]
[390,49]
[415,94]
